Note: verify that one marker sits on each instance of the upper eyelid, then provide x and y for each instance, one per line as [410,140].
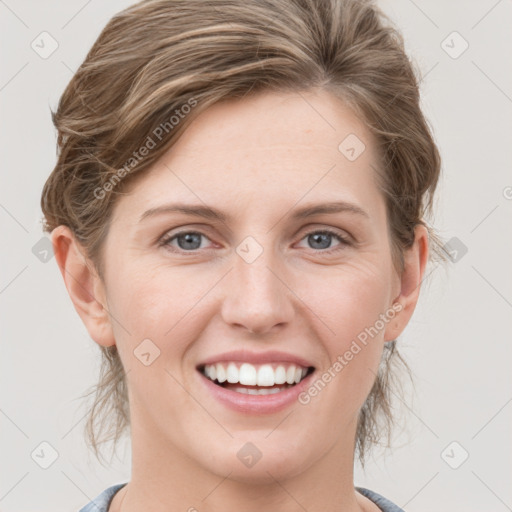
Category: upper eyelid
[306,230]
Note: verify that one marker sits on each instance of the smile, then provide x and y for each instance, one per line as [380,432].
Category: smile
[253,379]
[257,383]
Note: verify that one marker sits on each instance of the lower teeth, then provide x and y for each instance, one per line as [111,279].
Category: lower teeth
[260,391]
[253,390]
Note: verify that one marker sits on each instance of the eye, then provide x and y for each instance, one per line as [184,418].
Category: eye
[190,241]
[321,240]
[187,241]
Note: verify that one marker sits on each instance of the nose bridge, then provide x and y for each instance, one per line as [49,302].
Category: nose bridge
[257,297]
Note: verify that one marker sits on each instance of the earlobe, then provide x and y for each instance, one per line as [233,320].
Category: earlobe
[415,262]
[84,286]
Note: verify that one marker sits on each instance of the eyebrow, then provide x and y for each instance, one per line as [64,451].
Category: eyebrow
[213,214]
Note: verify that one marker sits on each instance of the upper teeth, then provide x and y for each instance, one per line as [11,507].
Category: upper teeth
[255,375]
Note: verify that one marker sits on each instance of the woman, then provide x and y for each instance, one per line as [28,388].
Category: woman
[238,213]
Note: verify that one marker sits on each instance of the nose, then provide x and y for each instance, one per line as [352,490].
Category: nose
[257,297]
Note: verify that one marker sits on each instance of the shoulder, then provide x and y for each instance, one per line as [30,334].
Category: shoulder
[383,503]
[102,501]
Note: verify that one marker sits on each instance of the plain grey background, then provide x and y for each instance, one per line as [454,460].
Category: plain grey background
[458,342]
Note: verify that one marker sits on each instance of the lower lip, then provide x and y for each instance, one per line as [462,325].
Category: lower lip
[256,404]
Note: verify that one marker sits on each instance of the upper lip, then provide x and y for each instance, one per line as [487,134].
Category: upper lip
[244,356]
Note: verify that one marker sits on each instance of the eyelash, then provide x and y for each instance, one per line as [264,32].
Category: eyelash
[166,239]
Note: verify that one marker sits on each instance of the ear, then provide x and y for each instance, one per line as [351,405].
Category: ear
[85,288]
[415,262]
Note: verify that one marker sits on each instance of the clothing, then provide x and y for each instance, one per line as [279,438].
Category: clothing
[384,504]
[102,501]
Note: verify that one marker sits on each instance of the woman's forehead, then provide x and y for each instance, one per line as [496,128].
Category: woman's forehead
[271,118]
[256,146]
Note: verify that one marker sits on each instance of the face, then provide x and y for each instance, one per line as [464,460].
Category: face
[254,287]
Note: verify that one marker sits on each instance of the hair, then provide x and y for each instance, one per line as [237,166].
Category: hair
[159,63]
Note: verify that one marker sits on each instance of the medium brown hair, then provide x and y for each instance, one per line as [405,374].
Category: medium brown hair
[157,56]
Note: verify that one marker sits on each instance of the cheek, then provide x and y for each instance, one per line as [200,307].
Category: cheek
[349,299]
[158,303]
[350,304]
[153,297]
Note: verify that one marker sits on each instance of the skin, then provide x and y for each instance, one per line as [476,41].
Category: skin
[257,159]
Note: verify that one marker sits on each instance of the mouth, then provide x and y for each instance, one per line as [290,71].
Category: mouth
[255,379]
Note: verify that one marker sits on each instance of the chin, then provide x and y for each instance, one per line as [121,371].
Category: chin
[245,463]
